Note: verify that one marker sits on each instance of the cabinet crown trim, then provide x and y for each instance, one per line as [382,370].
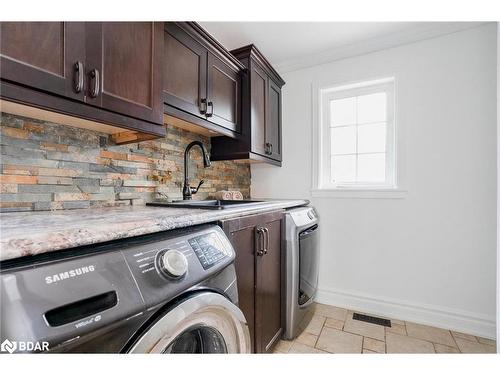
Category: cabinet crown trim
[252,51]
[209,42]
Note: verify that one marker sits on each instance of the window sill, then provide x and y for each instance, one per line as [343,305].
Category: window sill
[360,193]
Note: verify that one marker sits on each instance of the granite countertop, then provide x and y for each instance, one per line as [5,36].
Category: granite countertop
[31,233]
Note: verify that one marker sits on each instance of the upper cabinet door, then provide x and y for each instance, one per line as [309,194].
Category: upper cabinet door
[273,124]
[258,108]
[184,72]
[223,100]
[124,62]
[47,56]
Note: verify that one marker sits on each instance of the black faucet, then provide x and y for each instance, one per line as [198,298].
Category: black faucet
[188,191]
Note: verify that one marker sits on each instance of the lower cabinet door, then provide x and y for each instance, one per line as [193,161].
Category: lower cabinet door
[241,234]
[268,297]
[259,275]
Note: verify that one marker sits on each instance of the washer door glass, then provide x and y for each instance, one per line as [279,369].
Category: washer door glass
[199,340]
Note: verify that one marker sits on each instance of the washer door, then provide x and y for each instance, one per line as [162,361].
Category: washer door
[204,323]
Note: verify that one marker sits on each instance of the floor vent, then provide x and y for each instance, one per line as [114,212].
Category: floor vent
[372,319]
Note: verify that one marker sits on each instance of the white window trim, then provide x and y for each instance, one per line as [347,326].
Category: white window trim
[321,144]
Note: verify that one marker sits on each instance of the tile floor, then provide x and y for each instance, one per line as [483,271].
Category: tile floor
[332,330]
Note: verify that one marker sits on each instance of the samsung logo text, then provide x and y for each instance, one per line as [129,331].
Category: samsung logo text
[69,274]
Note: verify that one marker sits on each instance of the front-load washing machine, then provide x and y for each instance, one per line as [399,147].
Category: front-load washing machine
[170,292]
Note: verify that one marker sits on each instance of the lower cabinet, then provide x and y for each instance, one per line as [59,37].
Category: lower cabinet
[258,241]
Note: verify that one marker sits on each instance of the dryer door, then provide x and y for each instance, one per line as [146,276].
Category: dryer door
[204,323]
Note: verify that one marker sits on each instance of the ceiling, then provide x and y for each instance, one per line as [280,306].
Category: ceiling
[295,43]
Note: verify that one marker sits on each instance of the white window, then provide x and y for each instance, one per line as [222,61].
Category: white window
[357,136]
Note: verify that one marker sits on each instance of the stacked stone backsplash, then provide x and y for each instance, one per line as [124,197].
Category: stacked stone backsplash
[47,166]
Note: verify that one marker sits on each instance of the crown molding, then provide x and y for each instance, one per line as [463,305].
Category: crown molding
[253,51]
[418,33]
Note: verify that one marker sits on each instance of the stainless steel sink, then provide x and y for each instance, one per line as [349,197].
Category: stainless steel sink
[214,204]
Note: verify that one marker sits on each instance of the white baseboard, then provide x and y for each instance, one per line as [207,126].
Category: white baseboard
[436,316]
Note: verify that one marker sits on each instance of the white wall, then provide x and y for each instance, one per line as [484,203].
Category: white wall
[429,257]
[498,188]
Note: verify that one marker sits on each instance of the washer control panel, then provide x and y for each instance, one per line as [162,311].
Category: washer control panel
[169,263]
[172,263]
[209,249]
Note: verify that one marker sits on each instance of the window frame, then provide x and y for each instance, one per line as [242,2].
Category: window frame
[322,182]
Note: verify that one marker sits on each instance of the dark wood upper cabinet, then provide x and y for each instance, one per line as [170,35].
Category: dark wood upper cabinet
[138,75]
[258,242]
[124,62]
[47,56]
[184,72]
[202,80]
[258,109]
[223,94]
[260,138]
[273,124]
[109,72]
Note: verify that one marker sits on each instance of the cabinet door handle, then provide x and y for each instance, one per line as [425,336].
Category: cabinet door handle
[94,77]
[78,78]
[203,106]
[211,105]
[269,148]
[266,240]
[261,241]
